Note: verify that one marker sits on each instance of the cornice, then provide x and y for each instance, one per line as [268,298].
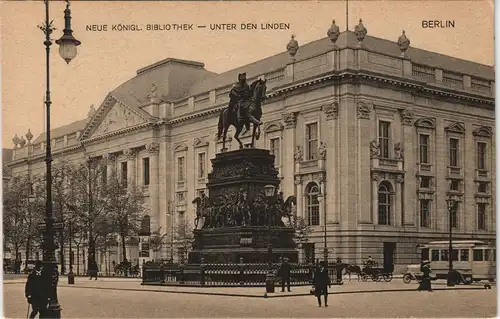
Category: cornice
[119,132]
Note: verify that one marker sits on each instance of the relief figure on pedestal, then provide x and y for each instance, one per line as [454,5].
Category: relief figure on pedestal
[259,210]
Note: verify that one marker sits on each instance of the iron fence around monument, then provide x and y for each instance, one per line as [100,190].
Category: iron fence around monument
[222,275]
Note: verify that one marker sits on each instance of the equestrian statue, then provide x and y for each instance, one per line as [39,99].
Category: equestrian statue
[245,108]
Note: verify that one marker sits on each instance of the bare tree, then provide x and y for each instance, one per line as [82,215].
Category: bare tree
[125,206]
[22,213]
[302,231]
[183,238]
[157,241]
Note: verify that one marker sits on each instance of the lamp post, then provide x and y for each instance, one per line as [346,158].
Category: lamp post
[452,205]
[269,192]
[67,49]
[325,248]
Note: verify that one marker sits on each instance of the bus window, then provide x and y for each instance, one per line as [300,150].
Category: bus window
[434,255]
[444,255]
[454,254]
[464,255]
[477,255]
[487,254]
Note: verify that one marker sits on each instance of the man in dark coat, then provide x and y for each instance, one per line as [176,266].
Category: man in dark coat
[284,273]
[321,282]
[425,283]
[36,291]
[339,267]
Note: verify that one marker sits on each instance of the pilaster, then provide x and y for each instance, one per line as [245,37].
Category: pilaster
[290,122]
[154,190]
[131,159]
[410,199]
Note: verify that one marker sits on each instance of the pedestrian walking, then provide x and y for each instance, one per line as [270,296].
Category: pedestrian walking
[321,282]
[36,292]
[93,270]
[284,273]
[339,267]
[425,283]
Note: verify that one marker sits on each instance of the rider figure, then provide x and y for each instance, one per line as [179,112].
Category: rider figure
[240,95]
[369,262]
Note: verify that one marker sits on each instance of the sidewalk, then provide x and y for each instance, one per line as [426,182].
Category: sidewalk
[128,284]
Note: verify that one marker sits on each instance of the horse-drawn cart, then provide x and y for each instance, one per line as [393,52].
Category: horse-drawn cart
[376,273]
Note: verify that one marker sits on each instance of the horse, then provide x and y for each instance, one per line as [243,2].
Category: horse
[229,117]
[349,269]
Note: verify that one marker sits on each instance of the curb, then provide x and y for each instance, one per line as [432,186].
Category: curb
[269,296]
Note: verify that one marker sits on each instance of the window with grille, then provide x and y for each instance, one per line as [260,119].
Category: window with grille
[424,149]
[425,182]
[454,152]
[274,145]
[425,213]
[482,187]
[104,176]
[383,138]
[202,162]
[384,203]
[312,204]
[481,216]
[454,216]
[145,170]
[180,169]
[455,185]
[481,155]
[312,141]
[124,174]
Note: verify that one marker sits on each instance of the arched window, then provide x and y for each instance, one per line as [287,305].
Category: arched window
[384,203]
[312,204]
[146,225]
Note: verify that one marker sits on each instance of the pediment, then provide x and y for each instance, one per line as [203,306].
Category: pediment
[113,116]
[273,127]
[181,147]
[456,127]
[200,142]
[484,131]
[426,122]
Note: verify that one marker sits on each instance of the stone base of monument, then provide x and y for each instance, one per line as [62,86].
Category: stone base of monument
[247,244]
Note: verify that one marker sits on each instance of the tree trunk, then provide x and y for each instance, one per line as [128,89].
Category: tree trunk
[123,248]
[28,244]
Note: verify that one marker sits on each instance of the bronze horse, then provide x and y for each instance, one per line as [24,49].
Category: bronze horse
[231,117]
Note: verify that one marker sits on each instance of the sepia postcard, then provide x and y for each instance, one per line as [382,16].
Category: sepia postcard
[236,159]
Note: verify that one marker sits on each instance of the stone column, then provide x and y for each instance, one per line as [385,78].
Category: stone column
[131,171]
[290,120]
[410,209]
[298,191]
[154,190]
[398,204]
[109,159]
[375,181]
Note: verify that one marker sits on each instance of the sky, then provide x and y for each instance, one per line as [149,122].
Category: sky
[108,58]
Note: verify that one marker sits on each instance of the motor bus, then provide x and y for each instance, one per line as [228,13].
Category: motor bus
[473,260]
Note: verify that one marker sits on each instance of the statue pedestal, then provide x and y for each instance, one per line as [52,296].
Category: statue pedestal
[228,245]
[225,237]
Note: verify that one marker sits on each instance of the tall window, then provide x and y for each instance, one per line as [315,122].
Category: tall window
[145,170]
[424,213]
[453,152]
[180,169]
[424,149]
[481,155]
[274,145]
[481,216]
[384,203]
[104,176]
[124,174]
[201,165]
[312,204]
[383,138]
[312,141]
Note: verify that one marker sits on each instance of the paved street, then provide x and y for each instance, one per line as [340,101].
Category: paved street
[114,298]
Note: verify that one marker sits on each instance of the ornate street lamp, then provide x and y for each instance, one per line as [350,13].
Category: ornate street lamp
[67,50]
[269,192]
[452,206]
[325,248]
